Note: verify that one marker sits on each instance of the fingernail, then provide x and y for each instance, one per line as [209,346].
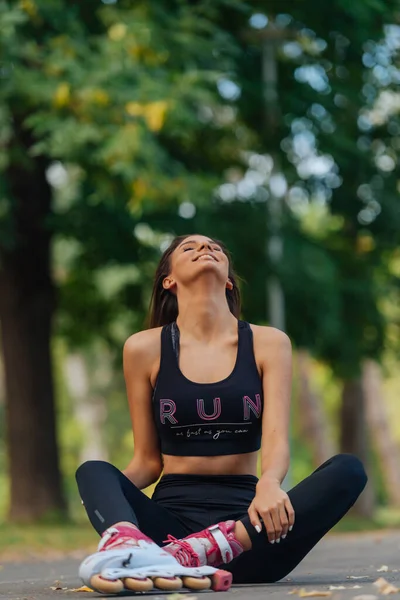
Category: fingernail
[290,528]
[278,541]
[258,528]
[272,541]
[284,536]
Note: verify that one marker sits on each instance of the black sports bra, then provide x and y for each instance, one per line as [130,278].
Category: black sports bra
[208,419]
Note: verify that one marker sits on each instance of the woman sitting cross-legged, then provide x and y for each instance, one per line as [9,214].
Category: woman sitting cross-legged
[206,391]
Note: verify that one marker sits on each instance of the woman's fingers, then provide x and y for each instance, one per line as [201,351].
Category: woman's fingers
[284,519]
[275,516]
[290,513]
[269,527]
[254,517]
[279,521]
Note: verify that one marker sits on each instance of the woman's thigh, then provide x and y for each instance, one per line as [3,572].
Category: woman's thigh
[319,501]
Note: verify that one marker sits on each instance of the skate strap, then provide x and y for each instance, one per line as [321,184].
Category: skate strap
[222,543]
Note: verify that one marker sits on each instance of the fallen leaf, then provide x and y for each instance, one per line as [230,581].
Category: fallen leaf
[385,587]
[84,588]
[337,587]
[303,593]
[383,569]
[179,597]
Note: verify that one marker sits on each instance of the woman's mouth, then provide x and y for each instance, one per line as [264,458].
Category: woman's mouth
[206,257]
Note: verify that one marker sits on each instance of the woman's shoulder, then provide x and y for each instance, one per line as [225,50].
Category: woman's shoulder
[272,336]
[143,344]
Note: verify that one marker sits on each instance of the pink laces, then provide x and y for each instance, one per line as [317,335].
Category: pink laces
[184,553]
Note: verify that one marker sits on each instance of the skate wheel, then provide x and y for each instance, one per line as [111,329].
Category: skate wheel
[221,581]
[197,583]
[168,583]
[138,585]
[106,586]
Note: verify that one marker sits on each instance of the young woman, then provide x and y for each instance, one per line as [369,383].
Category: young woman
[206,391]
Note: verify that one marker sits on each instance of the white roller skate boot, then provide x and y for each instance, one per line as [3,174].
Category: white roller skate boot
[129,560]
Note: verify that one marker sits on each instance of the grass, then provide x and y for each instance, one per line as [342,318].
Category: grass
[27,542]
[384,518]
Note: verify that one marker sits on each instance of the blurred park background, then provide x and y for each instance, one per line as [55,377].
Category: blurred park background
[272,125]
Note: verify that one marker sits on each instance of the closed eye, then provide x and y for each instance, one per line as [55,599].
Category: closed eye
[187,248]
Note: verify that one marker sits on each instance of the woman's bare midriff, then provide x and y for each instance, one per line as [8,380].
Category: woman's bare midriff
[233,464]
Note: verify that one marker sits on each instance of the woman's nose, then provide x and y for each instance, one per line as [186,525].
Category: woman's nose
[205,245]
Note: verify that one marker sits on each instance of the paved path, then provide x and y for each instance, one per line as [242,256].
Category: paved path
[345,560]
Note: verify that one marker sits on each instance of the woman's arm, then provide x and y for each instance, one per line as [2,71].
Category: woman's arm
[139,354]
[271,503]
[276,361]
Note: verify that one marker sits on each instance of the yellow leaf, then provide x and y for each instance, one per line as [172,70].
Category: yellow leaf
[134,50]
[365,243]
[155,115]
[29,7]
[384,587]
[101,97]
[139,189]
[62,95]
[117,32]
[134,109]
[84,588]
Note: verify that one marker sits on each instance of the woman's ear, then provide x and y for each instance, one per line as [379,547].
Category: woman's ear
[168,283]
[229,285]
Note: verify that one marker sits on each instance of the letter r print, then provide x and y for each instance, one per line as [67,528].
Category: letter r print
[167,411]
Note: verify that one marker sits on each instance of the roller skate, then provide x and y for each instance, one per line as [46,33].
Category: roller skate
[127,560]
[212,546]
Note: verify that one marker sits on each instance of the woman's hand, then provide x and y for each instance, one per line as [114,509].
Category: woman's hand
[273,506]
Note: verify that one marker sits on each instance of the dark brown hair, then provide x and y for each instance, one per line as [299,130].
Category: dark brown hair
[164,304]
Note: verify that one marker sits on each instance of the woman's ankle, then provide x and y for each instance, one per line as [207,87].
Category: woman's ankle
[242,536]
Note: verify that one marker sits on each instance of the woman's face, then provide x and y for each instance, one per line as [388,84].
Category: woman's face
[196,255]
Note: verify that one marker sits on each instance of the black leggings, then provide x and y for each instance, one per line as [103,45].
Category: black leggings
[184,504]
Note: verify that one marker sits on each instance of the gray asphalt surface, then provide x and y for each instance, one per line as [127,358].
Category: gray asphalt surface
[345,560]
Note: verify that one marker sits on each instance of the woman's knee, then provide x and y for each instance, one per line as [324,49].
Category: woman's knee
[351,471]
[93,468]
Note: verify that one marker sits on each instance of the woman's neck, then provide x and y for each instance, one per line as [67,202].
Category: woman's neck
[204,318]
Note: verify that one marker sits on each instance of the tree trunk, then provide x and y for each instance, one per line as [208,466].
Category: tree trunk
[26,309]
[379,425]
[314,425]
[2,386]
[354,438]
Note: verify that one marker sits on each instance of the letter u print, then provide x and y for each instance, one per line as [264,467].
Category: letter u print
[202,413]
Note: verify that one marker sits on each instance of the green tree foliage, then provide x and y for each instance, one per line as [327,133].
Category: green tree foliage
[333,132]
[116,119]
[112,97]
